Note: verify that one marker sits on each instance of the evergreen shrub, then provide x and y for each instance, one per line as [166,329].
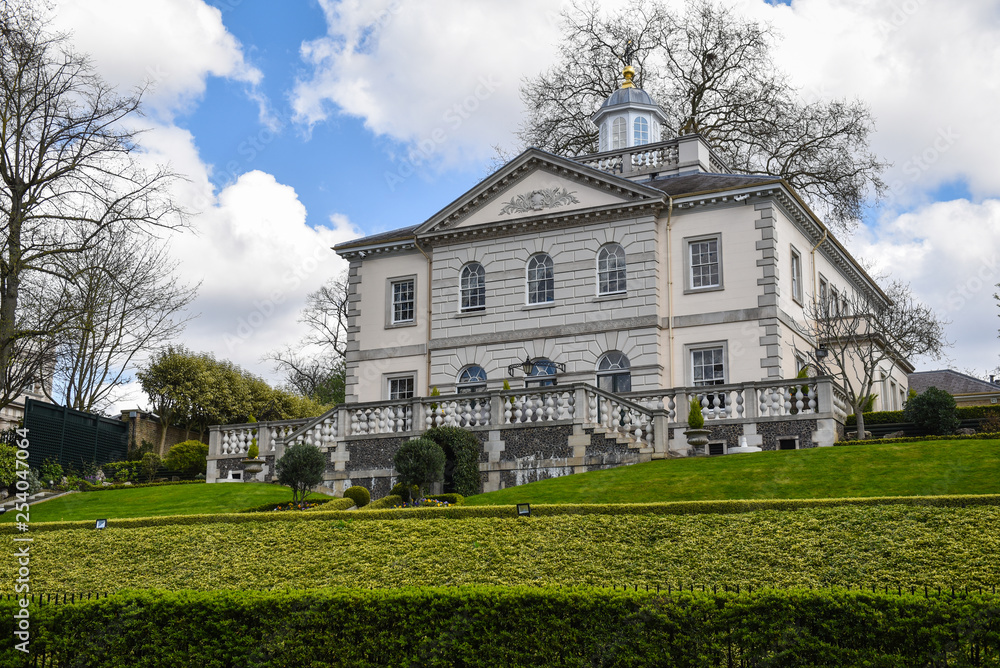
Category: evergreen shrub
[933,410]
[420,462]
[462,447]
[360,495]
[188,457]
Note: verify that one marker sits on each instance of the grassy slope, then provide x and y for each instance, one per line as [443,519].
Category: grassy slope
[884,545]
[908,469]
[154,501]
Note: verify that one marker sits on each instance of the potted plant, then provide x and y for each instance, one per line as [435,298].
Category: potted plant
[696,433]
[253,464]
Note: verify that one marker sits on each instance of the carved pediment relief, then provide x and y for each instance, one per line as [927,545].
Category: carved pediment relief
[538,200]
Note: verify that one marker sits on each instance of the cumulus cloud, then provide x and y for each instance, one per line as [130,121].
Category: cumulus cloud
[172,46]
[441,76]
[950,254]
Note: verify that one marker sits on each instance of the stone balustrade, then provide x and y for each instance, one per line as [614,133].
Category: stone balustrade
[636,160]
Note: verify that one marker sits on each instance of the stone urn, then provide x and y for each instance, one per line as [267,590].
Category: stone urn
[252,467]
[698,437]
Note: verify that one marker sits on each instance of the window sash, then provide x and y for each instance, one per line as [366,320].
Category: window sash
[541,280]
[618,130]
[473,288]
[708,366]
[611,270]
[402,301]
[640,131]
[796,276]
[400,388]
[704,257]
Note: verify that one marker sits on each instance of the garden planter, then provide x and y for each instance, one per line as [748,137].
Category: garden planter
[697,437]
[252,467]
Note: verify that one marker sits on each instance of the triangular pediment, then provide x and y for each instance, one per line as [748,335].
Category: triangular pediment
[536,184]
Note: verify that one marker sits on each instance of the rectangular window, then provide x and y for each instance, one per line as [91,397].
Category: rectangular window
[402,301]
[704,264]
[834,302]
[824,289]
[708,366]
[796,276]
[401,388]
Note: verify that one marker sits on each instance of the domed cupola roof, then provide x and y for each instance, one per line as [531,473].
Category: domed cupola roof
[630,95]
[629,117]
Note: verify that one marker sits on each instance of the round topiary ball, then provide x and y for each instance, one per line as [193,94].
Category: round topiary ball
[360,495]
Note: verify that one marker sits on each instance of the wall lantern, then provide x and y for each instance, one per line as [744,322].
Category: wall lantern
[822,352]
[527,367]
[524,510]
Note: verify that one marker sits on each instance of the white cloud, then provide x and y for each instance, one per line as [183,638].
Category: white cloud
[440,75]
[173,45]
[950,254]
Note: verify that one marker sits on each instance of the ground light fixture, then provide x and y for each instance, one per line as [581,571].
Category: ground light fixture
[524,510]
[101,524]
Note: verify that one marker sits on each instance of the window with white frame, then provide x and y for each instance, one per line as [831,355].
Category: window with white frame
[708,366]
[472,379]
[400,387]
[472,284]
[796,276]
[640,131]
[403,296]
[834,302]
[824,289]
[614,373]
[541,279]
[618,129]
[704,263]
[611,270]
[604,137]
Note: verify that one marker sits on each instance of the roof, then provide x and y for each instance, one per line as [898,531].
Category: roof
[687,184]
[952,382]
[627,96]
[401,234]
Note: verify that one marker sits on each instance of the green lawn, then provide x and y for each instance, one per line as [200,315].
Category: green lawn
[155,501]
[908,469]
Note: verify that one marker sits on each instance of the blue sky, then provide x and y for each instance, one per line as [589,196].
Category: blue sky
[301,127]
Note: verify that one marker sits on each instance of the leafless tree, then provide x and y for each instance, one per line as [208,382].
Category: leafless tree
[319,375]
[70,172]
[866,334]
[711,71]
[128,302]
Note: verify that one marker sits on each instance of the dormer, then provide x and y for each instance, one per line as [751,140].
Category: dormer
[629,117]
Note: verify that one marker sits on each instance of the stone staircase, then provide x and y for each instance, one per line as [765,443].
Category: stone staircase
[44,495]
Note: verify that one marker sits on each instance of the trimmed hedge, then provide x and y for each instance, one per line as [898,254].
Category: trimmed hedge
[486,626]
[324,504]
[87,487]
[375,511]
[891,417]
[360,495]
[917,439]
[461,447]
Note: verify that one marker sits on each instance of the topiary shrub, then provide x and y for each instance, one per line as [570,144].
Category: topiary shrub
[360,495]
[462,448]
[301,468]
[406,493]
[696,420]
[933,410]
[189,457]
[419,462]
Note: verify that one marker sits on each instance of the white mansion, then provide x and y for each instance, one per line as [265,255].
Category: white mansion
[609,290]
[641,267]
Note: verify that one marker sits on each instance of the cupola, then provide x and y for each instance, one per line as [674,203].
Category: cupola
[629,117]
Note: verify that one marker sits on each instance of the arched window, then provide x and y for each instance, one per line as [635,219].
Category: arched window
[640,132]
[541,281]
[618,136]
[613,373]
[472,379]
[473,287]
[543,373]
[611,270]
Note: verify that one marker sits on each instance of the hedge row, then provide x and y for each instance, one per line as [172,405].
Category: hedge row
[918,439]
[891,417]
[480,627]
[323,504]
[87,487]
[375,511]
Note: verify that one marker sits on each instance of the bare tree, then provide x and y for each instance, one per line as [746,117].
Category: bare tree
[128,302]
[320,376]
[69,173]
[712,73]
[866,334]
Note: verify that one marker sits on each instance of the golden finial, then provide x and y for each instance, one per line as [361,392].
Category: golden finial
[628,73]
